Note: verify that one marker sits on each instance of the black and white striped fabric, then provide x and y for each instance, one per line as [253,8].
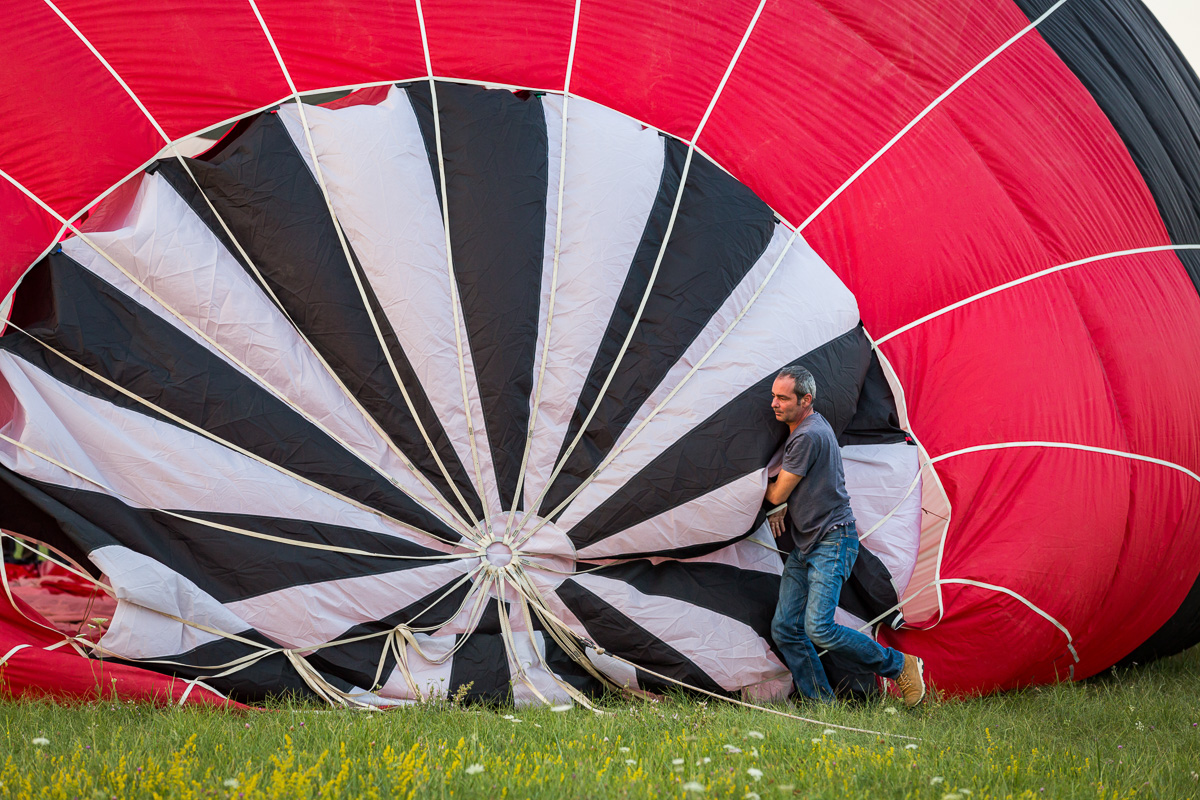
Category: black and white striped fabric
[273,431]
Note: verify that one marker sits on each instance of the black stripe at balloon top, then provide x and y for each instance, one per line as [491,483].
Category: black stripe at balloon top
[720,231]
[494,155]
[1148,91]
[104,330]
[265,193]
[1151,95]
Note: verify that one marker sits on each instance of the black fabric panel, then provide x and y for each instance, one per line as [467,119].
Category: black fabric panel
[720,231]
[565,667]
[1149,92]
[613,631]
[736,440]
[271,677]
[495,152]
[876,420]
[743,595]
[1177,634]
[228,566]
[265,193]
[482,661]
[27,510]
[101,328]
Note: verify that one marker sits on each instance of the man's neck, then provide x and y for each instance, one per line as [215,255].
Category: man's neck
[792,426]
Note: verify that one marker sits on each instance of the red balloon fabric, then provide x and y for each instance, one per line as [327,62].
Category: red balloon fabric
[1018,225]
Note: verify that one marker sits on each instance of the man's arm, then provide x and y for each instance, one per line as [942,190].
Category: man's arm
[777,493]
[781,489]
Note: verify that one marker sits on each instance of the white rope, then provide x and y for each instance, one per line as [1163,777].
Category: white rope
[341,236]
[217,440]
[1004,590]
[926,111]
[13,652]
[1033,276]
[172,145]
[452,279]
[662,250]
[1067,446]
[562,178]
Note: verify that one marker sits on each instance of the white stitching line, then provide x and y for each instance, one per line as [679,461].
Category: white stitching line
[1033,276]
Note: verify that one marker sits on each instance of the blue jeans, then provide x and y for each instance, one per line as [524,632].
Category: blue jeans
[803,623]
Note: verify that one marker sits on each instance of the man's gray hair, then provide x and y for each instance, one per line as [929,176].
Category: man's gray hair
[803,380]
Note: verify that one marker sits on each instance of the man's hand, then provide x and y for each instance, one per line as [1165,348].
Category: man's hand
[776,521]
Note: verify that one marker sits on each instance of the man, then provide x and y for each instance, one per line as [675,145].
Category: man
[825,539]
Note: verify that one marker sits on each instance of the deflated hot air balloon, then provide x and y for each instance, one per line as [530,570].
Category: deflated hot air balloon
[461,382]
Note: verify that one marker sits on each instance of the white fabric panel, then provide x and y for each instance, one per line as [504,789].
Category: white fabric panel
[732,653]
[877,478]
[175,255]
[756,553]
[720,515]
[376,169]
[613,169]
[154,464]
[315,613]
[804,306]
[143,587]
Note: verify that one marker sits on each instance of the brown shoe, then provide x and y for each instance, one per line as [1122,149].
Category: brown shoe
[912,681]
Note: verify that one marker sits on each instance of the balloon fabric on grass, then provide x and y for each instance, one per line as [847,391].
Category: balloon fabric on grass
[460,382]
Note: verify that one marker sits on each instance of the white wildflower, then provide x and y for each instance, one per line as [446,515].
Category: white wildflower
[231,783]
[474,769]
[623,749]
[731,749]
[511,718]
[676,761]
[816,741]
[787,788]
[952,796]
[40,741]
[755,734]
[751,796]
[935,780]
[562,708]
[631,761]
[754,752]
[910,747]
[890,710]
[693,786]
[705,760]
[755,773]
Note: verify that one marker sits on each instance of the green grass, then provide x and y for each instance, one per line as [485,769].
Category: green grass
[1129,734]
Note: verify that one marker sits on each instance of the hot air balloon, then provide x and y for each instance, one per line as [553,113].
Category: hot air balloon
[460,381]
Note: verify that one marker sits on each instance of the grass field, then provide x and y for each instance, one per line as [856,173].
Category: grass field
[1128,734]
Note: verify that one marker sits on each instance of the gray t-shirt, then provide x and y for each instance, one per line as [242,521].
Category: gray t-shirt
[820,501]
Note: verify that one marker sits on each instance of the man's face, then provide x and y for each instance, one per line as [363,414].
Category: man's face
[788,408]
